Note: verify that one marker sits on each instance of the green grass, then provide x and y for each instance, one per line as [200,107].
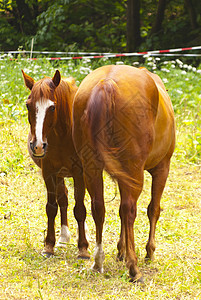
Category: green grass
[25,274]
[182,81]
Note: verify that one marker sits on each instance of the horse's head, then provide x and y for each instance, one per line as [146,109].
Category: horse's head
[41,106]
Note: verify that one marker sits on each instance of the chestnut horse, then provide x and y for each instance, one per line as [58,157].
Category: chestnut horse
[51,147]
[123,122]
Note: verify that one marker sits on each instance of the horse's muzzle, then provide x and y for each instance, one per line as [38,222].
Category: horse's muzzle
[38,150]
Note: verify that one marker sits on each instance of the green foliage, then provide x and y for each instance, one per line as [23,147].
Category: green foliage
[92,25]
[86,25]
[9,37]
[176,22]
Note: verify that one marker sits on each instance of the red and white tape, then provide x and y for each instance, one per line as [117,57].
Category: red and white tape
[56,52]
[92,55]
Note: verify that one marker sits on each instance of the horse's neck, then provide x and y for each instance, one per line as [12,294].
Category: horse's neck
[64,119]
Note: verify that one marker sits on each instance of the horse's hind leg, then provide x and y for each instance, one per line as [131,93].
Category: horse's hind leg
[80,215]
[121,246]
[62,200]
[51,210]
[94,183]
[159,177]
[128,212]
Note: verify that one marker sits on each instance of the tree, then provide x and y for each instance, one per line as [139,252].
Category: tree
[133,25]
[22,15]
[102,26]
[157,26]
[192,13]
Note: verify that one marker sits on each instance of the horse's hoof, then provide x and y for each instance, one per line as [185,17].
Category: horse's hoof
[120,257]
[97,269]
[83,254]
[150,253]
[47,254]
[149,259]
[61,245]
[139,280]
[48,251]
[64,237]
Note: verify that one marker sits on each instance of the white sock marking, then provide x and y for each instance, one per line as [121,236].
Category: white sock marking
[99,257]
[64,236]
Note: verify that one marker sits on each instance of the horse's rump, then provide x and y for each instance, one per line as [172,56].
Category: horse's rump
[121,124]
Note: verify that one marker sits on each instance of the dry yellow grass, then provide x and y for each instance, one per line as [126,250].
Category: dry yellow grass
[25,274]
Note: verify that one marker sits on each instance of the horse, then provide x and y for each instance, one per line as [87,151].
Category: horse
[51,147]
[123,122]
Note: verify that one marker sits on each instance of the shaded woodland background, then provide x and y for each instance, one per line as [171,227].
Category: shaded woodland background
[93,25]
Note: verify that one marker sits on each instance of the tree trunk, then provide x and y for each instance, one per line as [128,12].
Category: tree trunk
[192,13]
[24,17]
[159,17]
[133,25]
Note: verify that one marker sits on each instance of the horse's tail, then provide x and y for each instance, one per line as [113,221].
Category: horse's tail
[103,129]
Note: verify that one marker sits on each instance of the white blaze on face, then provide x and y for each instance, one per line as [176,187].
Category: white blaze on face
[41,108]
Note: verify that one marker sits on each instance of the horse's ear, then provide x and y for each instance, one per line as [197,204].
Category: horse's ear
[29,82]
[57,78]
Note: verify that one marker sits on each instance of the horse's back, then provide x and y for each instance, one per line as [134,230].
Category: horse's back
[129,80]
[136,91]
[142,107]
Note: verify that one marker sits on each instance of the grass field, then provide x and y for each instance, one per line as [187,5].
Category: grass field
[25,274]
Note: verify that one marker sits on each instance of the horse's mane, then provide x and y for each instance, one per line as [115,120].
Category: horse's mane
[63,95]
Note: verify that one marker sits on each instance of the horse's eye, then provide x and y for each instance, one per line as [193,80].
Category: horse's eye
[52,107]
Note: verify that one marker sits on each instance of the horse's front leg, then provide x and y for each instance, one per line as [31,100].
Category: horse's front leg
[80,216]
[62,200]
[51,211]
